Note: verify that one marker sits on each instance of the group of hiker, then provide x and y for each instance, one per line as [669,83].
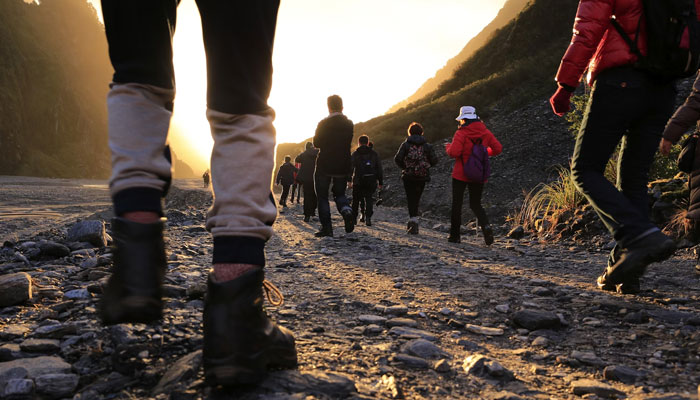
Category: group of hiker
[631,101]
[327,163]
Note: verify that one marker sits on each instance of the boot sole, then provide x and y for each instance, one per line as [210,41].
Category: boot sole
[132,309]
[349,223]
[638,265]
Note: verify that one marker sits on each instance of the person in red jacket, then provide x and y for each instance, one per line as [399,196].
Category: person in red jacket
[471,130]
[626,104]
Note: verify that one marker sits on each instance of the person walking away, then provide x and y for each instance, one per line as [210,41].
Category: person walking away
[285,177]
[296,186]
[415,157]
[307,162]
[333,165]
[367,176]
[205,178]
[628,103]
[684,118]
[240,341]
[362,200]
[471,137]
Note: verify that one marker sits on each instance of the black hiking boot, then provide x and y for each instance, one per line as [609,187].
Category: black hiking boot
[349,220]
[412,226]
[133,292]
[362,217]
[325,231]
[629,286]
[368,221]
[241,343]
[488,234]
[634,260]
[454,239]
[307,218]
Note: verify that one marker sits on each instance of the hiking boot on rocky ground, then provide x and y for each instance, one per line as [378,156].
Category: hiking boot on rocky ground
[241,343]
[412,226]
[134,291]
[488,234]
[325,231]
[633,261]
[368,221]
[454,239]
[629,286]
[307,218]
[349,220]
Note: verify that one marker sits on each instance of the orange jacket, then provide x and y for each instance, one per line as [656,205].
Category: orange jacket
[461,147]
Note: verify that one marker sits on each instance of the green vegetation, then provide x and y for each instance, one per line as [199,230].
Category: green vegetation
[54,73]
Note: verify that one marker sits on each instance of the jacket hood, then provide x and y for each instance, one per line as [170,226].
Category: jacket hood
[416,139]
[312,151]
[363,150]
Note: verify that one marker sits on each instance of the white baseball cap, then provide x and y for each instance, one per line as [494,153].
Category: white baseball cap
[467,112]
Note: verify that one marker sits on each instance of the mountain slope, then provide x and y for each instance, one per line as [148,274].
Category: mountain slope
[509,11]
[53,84]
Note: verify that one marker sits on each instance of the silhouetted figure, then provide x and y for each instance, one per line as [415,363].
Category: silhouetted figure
[240,341]
[285,177]
[628,104]
[333,165]
[205,178]
[367,175]
[415,157]
[297,185]
[307,162]
[471,133]
[362,200]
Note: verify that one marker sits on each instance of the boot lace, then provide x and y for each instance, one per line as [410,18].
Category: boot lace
[274,295]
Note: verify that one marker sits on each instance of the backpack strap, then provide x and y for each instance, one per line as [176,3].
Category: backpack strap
[632,44]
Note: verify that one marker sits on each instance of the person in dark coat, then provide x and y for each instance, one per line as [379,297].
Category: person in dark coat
[367,176]
[307,160]
[415,157]
[285,177]
[297,186]
[687,116]
[333,165]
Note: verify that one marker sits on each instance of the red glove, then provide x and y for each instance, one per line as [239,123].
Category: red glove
[561,101]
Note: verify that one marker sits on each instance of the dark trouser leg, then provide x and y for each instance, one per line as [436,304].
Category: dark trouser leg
[356,197]
[368,196]
[294,189]
[300,188]
[338,188]
[458,188]
[309,199]
[285,193]
[414,190]
[476,191]
[621,100]
[323,183]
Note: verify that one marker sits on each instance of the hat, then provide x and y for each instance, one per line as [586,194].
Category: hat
[467,112]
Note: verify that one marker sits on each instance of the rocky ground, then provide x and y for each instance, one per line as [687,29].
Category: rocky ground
[377,313]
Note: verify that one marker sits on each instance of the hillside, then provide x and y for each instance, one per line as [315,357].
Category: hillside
[509,11]
[53,84]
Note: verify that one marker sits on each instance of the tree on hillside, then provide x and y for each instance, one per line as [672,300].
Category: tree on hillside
[53,84]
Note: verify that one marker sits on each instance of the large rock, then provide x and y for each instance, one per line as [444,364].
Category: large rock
[37,366]
[484,367]
[623,374]
[423,349]
[56,385]
[589,386]
[183,369]
[53,249]
[92,231]
[322,384]
[405,331]
[15,289]
[535,319]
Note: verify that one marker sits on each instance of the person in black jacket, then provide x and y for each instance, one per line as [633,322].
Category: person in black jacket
[333,165]
[285,177]
[415,157]
[307,159]
[367,172]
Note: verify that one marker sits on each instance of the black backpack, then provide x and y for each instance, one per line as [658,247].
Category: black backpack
[367,169]
[667,23]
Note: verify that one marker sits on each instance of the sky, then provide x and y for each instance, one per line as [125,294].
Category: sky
[373,53]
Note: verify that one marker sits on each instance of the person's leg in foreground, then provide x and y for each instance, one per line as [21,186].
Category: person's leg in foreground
[240,341]
[368,197]
[341,202]
[414,190]
[458,188]
[285,193]
[638,111]
[476,191]
[323,184]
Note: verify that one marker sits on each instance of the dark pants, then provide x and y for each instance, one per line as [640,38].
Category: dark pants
[414,190]
[625,104]
[238,40]
[310,202]
[285,193]
[296,188]
[363,193]
[476,190]
[337,185]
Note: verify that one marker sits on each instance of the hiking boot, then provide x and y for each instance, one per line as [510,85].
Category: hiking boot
[633,261]
[241,343]
[412,226]
[307,218]
[454,239]
[133,292]
[488,234]
[629,286]
[368,221]
[325,231]
[349,220]
[362,217]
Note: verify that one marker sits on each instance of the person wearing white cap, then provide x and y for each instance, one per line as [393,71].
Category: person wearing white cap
[471,146]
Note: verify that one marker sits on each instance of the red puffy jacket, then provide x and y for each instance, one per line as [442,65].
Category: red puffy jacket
[596,45]
[461,146]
